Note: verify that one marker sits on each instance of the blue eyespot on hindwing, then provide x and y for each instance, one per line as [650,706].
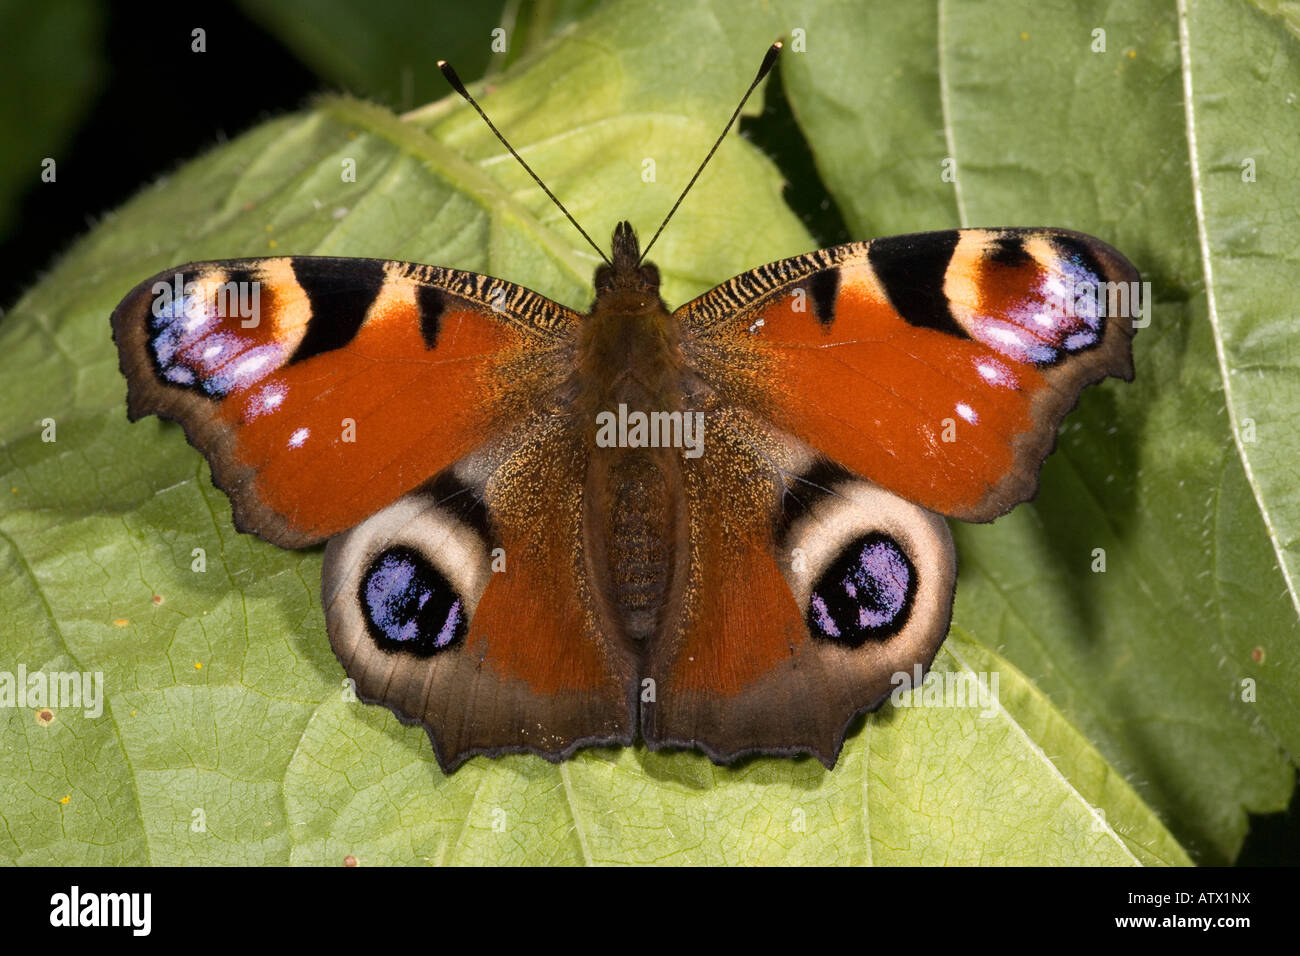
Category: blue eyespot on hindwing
[865,594]
[409,606]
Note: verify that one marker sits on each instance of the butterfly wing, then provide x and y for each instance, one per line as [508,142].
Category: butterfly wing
[467,606]
[322,389]
[938,365]
[808,591]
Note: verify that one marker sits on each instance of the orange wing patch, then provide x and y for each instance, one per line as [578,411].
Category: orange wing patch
[916,410]
[538,621]
[335,438]
[743,622]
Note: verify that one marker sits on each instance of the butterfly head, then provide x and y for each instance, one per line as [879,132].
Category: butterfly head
[626,285]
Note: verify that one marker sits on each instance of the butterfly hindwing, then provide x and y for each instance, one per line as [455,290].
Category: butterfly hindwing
[322,389]
[808,590]
[466,606]
[938,365]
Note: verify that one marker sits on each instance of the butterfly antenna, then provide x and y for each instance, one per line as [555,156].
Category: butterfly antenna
[459,87]
[768,60]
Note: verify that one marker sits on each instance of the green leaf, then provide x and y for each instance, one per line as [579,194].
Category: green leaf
[387,52]
[383,51]
[1244,163]
[227,736]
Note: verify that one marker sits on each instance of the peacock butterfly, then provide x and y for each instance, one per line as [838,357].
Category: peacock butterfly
[719,527]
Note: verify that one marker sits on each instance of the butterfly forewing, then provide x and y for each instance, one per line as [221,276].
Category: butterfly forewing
[322,389]
[938,365]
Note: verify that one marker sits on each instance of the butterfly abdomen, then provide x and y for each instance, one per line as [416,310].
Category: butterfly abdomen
[640,543]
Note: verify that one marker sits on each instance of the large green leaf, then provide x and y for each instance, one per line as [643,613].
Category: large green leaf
[225,697]
[386,52]
[383,51]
